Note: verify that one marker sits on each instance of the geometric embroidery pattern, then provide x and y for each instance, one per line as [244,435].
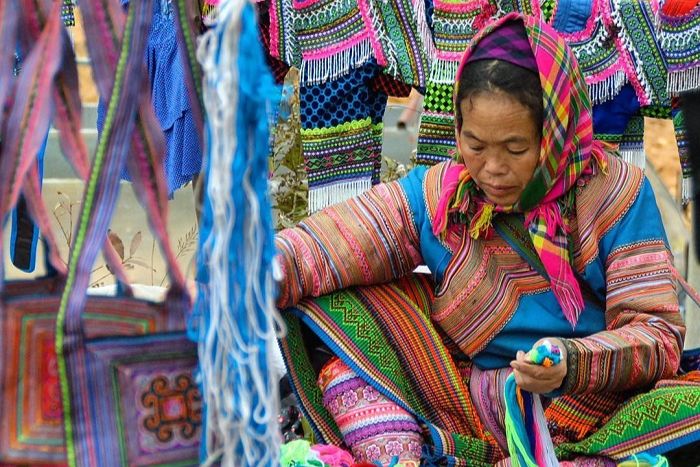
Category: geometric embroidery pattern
[174,407]
[31,410]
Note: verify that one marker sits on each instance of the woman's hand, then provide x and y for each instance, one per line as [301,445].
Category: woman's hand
[537,378]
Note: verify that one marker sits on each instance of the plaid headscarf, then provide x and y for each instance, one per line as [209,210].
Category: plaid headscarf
[567,149]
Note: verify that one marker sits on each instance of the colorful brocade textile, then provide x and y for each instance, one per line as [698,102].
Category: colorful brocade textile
[326,39]
[439,350]
[460,404]
[679,36]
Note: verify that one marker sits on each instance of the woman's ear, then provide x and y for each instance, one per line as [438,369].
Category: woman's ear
[458,153]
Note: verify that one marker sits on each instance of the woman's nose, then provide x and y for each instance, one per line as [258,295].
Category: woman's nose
[495,165]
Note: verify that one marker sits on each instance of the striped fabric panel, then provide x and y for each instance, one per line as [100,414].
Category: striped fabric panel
[656,421]
[646,330]
[378,242]
[432,188]
[67,119]
[147,140]
[374,330]
[449,404]
[8,31]
[29,116]
[97,209]
[574,417]
[601,204]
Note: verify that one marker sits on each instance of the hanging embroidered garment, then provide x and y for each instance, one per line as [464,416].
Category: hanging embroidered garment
[642,30]
[682,143]
[326,39]
[679,36]
[622,55]
[637,37]
[618,122]
[658,60]
[278,67]
[588,28]
[351,55]
[341,136]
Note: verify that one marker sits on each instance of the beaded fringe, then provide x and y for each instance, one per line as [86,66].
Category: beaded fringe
[634,156]
[320,70]
[328,195]
[683,80]
[443,71]
[686,190]
[423,29]
[608,88]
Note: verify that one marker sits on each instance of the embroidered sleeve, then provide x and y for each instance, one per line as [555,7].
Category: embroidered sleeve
[368,240]
[644,329]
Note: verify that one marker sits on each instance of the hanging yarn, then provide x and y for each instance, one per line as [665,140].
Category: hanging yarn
[529,441]
[235,321]
[644,460]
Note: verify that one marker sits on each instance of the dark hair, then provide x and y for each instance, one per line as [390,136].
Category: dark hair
[498,75]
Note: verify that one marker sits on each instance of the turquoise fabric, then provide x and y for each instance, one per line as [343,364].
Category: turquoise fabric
[539,315]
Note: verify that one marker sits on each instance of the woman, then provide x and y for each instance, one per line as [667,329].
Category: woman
[533,233]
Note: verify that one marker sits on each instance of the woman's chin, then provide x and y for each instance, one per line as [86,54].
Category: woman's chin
[502,200]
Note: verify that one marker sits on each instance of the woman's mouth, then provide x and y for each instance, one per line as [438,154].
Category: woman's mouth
[497,190]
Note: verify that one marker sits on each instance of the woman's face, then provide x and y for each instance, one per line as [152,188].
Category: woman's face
[499,143]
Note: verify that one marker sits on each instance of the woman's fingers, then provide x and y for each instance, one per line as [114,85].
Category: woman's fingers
[537,378]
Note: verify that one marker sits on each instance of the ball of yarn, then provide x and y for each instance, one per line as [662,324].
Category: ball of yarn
[545,354]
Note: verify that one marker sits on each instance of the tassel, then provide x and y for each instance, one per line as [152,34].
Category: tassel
[634,156]
[600,156]
[237,321]
[608,88]
[451,182]
[444,71]
[529,441]
[481,222]
[424,29]
[686,190]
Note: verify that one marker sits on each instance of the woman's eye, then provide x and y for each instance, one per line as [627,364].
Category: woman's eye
[517,152]
[476,148]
